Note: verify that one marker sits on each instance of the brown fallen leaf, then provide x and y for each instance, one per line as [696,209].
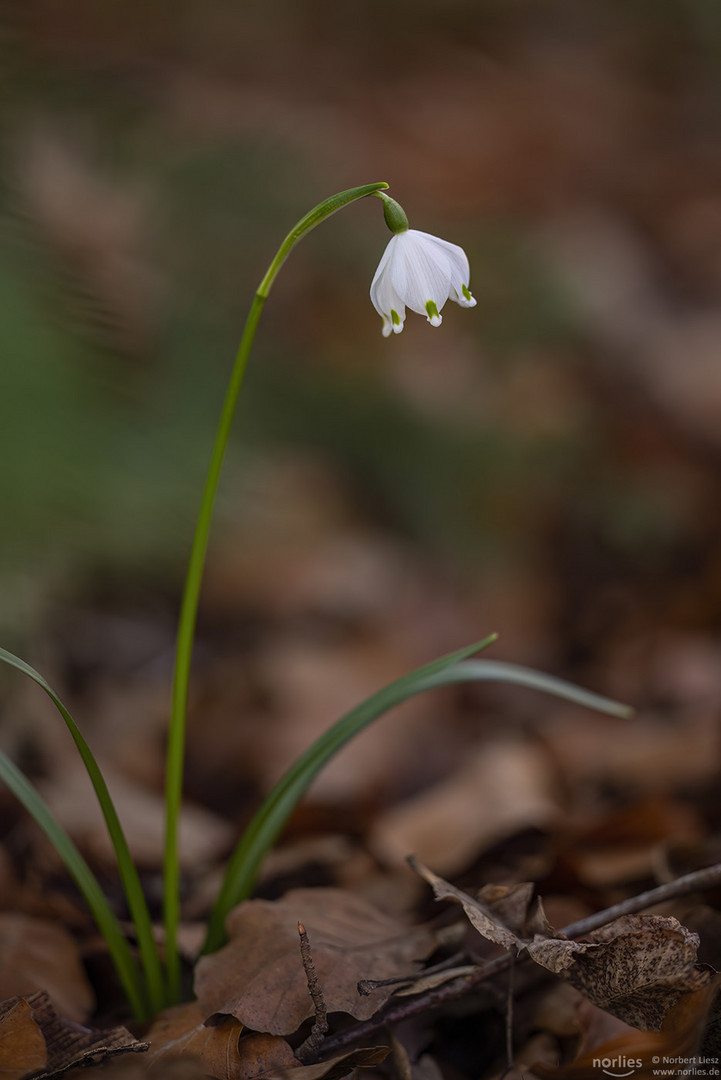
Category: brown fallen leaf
[558,1011]
[203,836]
[650,757]
[22,1046]
[259,978]
[639,1051]
[64,1043]
[132,1067]
[541,1047]
[515,907]
[479,915]
[510,903]
[181,1032]
[334,1068]
[181,1035]
[637,967]
[501,789]
[597,1026]
[504,914]
[261,1055]
[39,955]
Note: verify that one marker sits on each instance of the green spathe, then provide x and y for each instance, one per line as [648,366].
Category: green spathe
[394,214]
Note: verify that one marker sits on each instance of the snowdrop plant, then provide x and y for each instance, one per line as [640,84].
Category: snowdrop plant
[417,271]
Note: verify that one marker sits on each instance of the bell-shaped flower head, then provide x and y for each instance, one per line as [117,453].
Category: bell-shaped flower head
[418,271]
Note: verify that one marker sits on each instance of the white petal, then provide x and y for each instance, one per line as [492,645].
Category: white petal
[463,301]
[420,271]
[455,254]
[461,294]
[460,272]
[383,296]
[378,284]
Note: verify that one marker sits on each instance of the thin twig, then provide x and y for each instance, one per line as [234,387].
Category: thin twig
[699,879]
[318,1032]
[367,986]
[399,1010]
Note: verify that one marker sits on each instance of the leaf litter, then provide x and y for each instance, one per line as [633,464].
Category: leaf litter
[258,976]
[35,1040]
[636,967]
[254,1010]
[307,601]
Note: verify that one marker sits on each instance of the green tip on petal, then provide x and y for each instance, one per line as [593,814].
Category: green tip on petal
[466,299]
[433,317]
[394,325]
[397,321]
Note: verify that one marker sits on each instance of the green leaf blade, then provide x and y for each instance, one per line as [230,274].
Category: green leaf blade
[269,821]
[126,867]
[86,881]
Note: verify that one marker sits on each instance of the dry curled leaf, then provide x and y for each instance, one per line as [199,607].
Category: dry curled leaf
[514,906]
[61,1045]
[181,1032]
[259,978]
[479,915]
[637,967]
[264,1055]
[22,1046]
[509,903]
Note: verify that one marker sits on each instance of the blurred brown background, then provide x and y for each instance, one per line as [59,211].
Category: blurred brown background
[546,465]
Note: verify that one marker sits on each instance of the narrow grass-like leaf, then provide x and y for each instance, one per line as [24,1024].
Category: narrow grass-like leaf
[516,675]
[137,904]
[268,822]
[86,882]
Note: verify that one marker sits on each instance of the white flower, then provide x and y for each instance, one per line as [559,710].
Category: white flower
[421,272]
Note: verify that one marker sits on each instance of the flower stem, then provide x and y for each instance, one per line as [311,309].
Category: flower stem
[193,581]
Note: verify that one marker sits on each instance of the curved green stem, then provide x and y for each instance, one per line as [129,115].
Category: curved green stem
[191,594]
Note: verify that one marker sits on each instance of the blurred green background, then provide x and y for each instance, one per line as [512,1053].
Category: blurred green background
[562,438]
